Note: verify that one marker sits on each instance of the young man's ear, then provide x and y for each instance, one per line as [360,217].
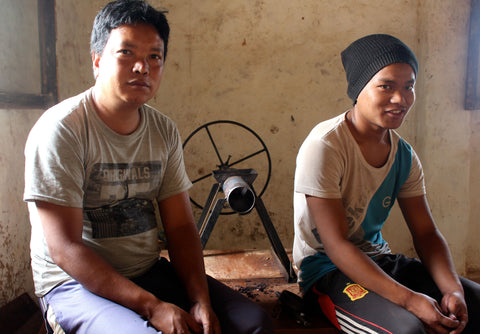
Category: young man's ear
[96,63]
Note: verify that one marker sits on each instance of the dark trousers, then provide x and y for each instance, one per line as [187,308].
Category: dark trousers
[237,314]
[353,309]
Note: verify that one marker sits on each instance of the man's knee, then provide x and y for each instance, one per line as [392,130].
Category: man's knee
[261,322]
[238,314]
[254,320]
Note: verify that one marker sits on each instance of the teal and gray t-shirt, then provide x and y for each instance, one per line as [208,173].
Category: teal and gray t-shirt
[331,165]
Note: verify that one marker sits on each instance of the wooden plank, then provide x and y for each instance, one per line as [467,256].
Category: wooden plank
[28,101]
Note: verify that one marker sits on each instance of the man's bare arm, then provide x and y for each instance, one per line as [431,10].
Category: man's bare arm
[433,250]
[186,255]
[63,233]
[331,222]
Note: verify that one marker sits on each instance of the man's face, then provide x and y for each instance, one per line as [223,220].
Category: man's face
[387,98]
[130,68]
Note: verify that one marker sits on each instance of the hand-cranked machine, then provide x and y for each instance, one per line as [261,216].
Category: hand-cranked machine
[235,183]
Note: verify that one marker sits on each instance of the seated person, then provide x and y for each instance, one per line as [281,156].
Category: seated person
[104,175]
[350,170]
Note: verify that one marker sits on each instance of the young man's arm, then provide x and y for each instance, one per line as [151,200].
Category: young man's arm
[432,249]
[332,226]
[62,227]
[186,255]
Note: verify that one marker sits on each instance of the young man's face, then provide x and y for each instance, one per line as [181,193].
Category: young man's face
[130,68]
[387,98]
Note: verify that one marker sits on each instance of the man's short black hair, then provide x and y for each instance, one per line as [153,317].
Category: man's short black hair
[121,12]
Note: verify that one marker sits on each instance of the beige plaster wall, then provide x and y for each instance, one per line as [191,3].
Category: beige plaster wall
[20,70]
[15,271]
[473,249]
[443,125]
[274,66]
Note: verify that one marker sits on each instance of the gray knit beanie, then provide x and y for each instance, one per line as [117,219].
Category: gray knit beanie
[366,56]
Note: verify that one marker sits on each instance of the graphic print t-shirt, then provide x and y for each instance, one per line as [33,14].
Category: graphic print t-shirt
[73,159]
[331,165]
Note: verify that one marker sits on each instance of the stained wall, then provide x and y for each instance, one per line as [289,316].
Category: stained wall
[274,66]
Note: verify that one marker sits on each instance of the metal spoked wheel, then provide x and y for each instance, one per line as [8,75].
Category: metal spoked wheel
[220,145]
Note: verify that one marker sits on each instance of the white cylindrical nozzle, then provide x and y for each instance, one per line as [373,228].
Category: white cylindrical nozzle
[238,194]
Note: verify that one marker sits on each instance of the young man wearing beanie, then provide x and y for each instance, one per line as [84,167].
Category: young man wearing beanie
[350,170]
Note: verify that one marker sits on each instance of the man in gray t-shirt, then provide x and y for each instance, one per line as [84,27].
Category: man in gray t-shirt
[104,176]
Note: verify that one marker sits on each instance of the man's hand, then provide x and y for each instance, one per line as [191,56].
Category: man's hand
[454,307]
[428,311]
[171,319]
[204,315]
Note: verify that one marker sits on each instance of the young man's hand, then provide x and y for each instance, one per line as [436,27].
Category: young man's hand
[428,311]
[454,306]
[203,314]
